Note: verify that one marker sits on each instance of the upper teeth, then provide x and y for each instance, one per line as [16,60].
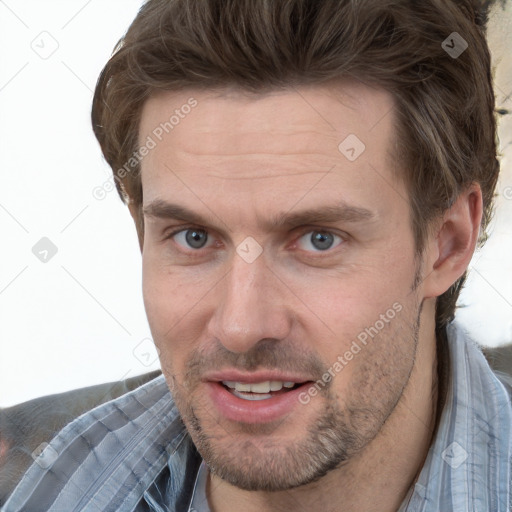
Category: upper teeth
[258,387]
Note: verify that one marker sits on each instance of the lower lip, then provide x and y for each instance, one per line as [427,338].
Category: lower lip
[254,411]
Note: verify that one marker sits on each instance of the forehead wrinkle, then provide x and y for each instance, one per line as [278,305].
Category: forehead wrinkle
[260,144]
[270,176]
[254,166]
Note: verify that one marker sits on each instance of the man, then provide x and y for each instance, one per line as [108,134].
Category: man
[309,180]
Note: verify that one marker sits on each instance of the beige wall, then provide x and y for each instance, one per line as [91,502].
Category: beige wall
[500,40]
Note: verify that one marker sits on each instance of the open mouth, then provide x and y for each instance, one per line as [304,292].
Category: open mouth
[260,390]
[244,398]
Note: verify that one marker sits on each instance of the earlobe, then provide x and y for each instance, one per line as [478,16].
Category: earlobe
[450,251]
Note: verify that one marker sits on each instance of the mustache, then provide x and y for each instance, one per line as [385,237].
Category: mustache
[267,354]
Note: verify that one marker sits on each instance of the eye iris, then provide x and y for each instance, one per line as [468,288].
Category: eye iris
[321,240]
[196,238]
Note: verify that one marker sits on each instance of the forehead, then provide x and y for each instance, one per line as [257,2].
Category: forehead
[322,114]
[326,142]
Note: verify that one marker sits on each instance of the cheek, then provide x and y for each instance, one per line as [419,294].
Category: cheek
[360,313]
[167,290]
[357,295]
[157,292]
[175,302]
[374,352]
[164,303]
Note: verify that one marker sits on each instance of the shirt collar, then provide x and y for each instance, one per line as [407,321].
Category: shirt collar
[468,463]
[199,501]
[468,466]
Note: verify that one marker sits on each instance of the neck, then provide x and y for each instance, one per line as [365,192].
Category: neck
[379,478]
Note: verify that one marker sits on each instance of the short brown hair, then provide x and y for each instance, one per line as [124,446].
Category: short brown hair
[446,126]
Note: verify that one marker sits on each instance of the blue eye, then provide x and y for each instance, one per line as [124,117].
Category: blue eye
[315,241]
[191,238]
[320,240]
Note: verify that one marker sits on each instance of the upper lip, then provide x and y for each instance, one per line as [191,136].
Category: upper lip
[253,377]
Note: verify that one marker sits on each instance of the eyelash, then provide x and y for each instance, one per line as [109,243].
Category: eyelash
[304,231]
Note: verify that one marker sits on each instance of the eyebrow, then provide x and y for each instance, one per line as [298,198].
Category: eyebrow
[327,214]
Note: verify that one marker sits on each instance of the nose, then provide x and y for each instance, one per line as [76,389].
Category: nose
[252,307]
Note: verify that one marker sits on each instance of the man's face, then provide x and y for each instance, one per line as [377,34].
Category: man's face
[243,298]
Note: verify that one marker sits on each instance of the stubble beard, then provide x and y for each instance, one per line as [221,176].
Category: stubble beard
[250,457]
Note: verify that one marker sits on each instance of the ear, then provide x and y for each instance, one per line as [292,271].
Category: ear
[449,250]
[136,213]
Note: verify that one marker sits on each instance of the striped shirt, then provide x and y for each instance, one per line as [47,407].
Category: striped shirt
[134,453]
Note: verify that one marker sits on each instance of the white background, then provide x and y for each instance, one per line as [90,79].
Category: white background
[78,319]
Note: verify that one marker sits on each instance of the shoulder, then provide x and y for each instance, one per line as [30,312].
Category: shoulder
[500,361]
[470,456]
[499,358]
[495,361]
[56,435]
